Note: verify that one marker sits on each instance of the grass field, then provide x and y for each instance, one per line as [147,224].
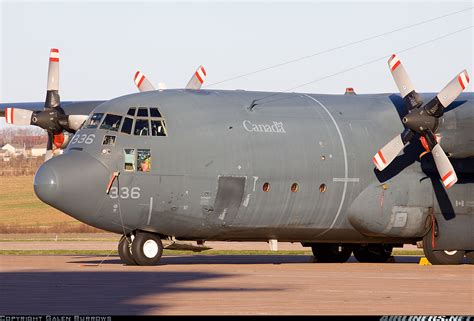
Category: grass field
[22,212]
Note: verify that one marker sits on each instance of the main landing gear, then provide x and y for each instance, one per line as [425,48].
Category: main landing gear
[340,253]
[444,257]
[331,253]
[140,249]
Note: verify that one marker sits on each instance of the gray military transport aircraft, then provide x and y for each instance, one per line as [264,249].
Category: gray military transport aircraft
[195,165]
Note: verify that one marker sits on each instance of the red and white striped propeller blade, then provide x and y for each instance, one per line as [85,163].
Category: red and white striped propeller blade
[197,79]
[387,154]
[17,116]
[453,89]
[444,166]
[400,76]
[142,83]
[404,84]
[53,70]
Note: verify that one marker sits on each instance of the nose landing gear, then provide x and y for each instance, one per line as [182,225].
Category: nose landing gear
[140,249]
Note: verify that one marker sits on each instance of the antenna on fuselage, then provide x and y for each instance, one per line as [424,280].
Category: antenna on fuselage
[253,104]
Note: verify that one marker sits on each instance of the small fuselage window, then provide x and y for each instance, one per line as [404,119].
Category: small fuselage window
[127,125]
[129,159]
[142,127]
[95,120]
[111,122]
[144,160]
[109,140]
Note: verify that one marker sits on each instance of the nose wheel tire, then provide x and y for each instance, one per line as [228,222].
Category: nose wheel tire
[125,250]
[441,257]
[331,253]
[373,253]
[147,248]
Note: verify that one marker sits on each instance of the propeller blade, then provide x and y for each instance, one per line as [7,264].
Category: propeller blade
[444,166]
[49,147]
[453,89]
[142,83]
[388,153]
[435,107]
[17,116]
[75,121]
[52,94]
[404,84]
[197,79]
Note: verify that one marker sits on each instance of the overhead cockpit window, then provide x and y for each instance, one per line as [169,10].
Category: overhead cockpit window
[95,120]
[142,128]
[111,122]
[127,125]
[144,160]
[129,159]
[142,112]
[131,111]
[158,128]
[154,112]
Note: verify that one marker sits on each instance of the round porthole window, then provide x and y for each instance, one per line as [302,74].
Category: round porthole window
[322,188]
[294,187]
[266,187]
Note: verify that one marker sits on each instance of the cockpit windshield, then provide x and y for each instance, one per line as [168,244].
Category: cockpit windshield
[139,121]
[94,121]
[111,122]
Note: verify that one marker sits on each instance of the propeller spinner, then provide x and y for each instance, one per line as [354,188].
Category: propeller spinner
[423,120]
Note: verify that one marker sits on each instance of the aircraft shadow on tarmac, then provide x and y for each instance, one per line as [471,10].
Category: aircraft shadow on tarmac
[92,293]
[237,259]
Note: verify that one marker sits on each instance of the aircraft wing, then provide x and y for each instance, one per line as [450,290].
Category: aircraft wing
[70,107]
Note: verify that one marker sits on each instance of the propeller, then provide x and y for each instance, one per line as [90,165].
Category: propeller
[422,120]
[52,118]
[196,81]
[142,83]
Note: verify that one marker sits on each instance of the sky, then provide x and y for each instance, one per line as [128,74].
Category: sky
[102,44]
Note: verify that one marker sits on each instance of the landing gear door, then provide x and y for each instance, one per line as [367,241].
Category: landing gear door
[230,192]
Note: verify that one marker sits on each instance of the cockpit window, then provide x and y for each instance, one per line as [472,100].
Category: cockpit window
[131,111]
[127,125]
[154,112]
[158,128]
[95,120]
[142,128]
[142,112]
[129,159]
[111,122]
[144,160]
[109,140]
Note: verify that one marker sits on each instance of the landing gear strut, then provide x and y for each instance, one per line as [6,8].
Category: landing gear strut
[142,249]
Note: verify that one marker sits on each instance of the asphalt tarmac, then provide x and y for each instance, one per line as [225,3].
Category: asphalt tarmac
[231,285]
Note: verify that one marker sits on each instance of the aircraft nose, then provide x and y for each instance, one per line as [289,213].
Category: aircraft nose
[74,183]
[46,183]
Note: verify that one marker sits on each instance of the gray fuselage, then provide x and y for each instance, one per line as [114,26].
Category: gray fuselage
[297,167]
